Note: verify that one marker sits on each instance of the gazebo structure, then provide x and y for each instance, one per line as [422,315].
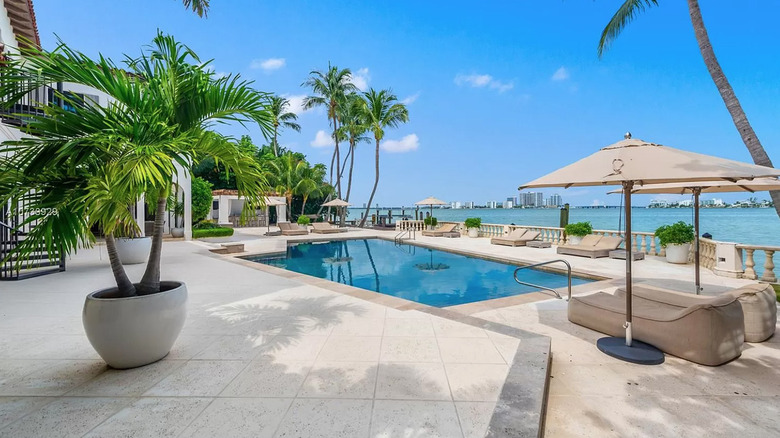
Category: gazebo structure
[227,206]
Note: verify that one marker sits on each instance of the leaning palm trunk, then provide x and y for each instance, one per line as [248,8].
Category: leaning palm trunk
[303,207]
[373,191]
[150,282]
[125,287]
[741,122]
[338,156]
[349,178]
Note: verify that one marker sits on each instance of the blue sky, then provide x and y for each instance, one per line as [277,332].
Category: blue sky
[499,93]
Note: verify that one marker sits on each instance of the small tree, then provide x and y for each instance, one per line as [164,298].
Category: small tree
[201,199]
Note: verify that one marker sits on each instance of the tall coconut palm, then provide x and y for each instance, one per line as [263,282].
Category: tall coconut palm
[381,110]
[630,8]
[282,118]
[353,128]
[286,174]
[100,159]
[200,7]
[329,89]
[311,184]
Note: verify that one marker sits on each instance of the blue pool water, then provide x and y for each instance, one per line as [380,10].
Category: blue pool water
[431,277]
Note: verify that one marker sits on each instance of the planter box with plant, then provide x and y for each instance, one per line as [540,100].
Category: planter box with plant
[576,231]
[303,221]
[676,238]
[472,224]
[111,156]
[430,222]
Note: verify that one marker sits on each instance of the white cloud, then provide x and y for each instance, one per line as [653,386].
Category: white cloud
[560,75]
[361,79]
[481,81]
[408,100]
[296,103]
[406,144]
[267,65]
[322,140]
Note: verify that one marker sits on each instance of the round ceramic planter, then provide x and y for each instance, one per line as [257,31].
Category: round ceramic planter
[177,232]
[575,240]
[473,232]
[133,251]
[677,253]
[135,331]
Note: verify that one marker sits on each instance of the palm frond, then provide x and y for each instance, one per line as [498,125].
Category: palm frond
[624,15]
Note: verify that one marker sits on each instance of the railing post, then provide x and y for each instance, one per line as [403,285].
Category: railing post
[653,249]
[769,268]
[750,273]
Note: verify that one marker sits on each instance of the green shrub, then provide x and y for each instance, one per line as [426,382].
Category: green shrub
[212,232]
[430,220]
[303,220]
[205,225]
[473,222]
[579,229]
[677,233]
[201,199]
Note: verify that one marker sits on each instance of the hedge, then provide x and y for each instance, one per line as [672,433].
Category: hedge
[212,232]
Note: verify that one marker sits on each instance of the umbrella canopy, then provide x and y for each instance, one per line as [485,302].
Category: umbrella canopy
[696,188]
[631,162]
[336,203]
[430,201]
[648,163]
[270,202]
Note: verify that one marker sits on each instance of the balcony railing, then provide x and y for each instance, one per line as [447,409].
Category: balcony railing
[31,104]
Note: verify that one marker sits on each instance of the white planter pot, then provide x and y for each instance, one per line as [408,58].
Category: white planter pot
[136,331]
[134,251]
[575,240]
[429,227]
[677,253]
[177,232]
[473,232]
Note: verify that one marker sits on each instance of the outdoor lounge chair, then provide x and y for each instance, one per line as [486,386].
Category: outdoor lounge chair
[289,229]
[441,231]
[518,237]
[710,332]
[325,228]
[592,246]
[758,301]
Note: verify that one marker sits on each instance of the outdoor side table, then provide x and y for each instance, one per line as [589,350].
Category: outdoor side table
[621,254]
[538,244]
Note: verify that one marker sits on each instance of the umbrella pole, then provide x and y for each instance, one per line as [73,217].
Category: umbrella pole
[628,186]
[696,255]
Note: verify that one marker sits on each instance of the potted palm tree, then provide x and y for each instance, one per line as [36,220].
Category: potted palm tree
[576,231]
[676,238]
[88,165]
[472,224]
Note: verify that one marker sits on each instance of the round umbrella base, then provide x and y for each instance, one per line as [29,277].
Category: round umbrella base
[638,352]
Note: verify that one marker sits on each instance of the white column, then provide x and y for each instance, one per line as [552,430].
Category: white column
[224,210]
[185,185]
[281,213]
[140,209]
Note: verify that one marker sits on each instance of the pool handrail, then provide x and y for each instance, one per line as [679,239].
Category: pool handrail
[557,295]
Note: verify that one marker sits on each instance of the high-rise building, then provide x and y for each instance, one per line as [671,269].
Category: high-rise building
[554,201]
[508,203]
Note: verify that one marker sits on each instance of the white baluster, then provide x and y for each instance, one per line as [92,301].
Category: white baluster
[769,268]
[750,273]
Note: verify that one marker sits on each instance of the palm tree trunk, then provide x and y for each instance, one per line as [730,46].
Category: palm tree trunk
[741,122]
[289,209]
[124,286]
[303,207]
[351,154]
[150,282]
[376,183]
[338,157]
[276,150]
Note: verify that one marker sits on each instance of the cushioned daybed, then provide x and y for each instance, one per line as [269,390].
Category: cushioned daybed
[518,237]
[325,228]
[593,246]
[441,231]
[289,229]
[710,332]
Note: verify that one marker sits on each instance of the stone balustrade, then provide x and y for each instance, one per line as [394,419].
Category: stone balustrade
[749,266]
[409,225]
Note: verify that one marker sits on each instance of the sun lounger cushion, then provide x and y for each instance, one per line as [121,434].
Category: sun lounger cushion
[759,305]
[710,332]
[439,232]
[609,242]
[324,228]
[517,233]
[590,240]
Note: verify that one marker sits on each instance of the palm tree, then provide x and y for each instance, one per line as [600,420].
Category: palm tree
[329,89]
[353,128]
[89,165]
[381,110]
[200,7]
[311,184]
[623,17]
[287,172]
[282,118]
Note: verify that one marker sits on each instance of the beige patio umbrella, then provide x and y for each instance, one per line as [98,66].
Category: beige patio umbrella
[338,203]
[430,201]
[696,189]
[271,202]
[631,162]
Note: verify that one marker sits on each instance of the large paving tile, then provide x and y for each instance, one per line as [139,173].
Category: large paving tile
[401,418]
[14,408]
[296,349]
[476,382]
[151,417]
[351,349]
[56,378]
[237,347]
[187,346]
[445,328]
[328,418]
[412,381]
[340,380]
[123,383]
[474,417]
[266,379]
[239,417]
[398,349]
[198,378]
[65,417]
[408,327]
[360,326]
[465,350]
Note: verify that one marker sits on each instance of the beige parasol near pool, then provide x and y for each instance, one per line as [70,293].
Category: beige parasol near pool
[632,162]
[338,203]
[697,188]
[430,201]
[272,202]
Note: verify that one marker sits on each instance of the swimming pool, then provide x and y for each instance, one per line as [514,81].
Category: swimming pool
[427,276]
